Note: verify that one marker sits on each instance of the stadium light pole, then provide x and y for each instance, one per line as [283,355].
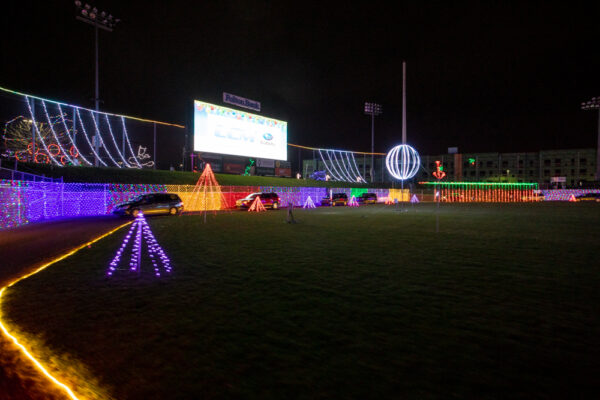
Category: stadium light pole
[594,104]
[372,109]
[99,20]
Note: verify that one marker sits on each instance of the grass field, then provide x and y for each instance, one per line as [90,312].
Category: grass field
[367,302]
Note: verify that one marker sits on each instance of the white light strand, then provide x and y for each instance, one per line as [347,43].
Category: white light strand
[129,143]
[87,139]
[104,146]
[341,165]
[407,166]
[66,153]
[70,138]
[115,142]
[343,173]
[35,128]
[330,170]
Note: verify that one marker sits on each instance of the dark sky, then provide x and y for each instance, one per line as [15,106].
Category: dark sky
[483,76]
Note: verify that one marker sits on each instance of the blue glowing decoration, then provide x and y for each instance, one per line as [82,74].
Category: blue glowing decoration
[319,176]
[141,232]
[402,162]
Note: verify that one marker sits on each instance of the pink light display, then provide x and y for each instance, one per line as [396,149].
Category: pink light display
[353,202]
[140,231]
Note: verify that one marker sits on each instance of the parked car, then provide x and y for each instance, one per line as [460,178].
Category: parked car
[367,198]
[588,197]
[269,200]
[337,199]
[151,204]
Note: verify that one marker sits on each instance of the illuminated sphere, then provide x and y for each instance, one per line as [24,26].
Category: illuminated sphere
[402,162]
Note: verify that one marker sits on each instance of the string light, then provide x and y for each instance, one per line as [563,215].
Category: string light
[102,144]
[348,169]
[115,142]
[66,154]
[503,192]
[142,231]
[60,111]
[257,205]
[87,139]
[309,203]
[129,143]
[35,128]
[402,162]
[38,365]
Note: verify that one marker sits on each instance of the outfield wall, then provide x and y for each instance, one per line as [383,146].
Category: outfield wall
[22,202]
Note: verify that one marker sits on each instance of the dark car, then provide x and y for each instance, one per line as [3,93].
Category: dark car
[588,197]
[337,199]
[269,200]
[367,198]
[151,204]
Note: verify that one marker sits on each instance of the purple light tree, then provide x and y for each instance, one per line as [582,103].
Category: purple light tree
[141,232]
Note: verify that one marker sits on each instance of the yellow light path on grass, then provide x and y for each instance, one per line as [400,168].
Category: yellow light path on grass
[15,340]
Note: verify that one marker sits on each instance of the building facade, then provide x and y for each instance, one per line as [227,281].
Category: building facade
[548,168]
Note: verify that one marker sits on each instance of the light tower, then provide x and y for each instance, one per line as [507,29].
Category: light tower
[372,109]
[594,104]
[102,20]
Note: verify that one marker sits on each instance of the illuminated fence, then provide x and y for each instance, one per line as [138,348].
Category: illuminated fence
[22,202]
[465,192]
[566,194]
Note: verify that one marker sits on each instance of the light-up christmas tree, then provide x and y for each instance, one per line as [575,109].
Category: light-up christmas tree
[353,202]
[309,203]
[141,232]
[414,199]
[257,205]
[207,194]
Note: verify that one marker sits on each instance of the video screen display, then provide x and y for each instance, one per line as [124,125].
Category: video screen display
[224,130]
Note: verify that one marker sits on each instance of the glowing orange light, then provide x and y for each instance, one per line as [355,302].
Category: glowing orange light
[16,341]
[257,205]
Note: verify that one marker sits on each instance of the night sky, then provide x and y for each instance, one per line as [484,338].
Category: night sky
[487,76]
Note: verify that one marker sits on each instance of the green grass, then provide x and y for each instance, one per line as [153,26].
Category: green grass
[150,176]
[358,303]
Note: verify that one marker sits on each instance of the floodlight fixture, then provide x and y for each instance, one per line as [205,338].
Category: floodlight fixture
[594,104]
[372,109]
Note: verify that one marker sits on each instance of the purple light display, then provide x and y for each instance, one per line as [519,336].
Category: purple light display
[140,231]
[565,194]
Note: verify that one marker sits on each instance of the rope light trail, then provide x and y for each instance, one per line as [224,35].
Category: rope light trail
[87,139]
[66,153]
[104,146]
[115,142]
[38,365]
[62,117]
[35,128]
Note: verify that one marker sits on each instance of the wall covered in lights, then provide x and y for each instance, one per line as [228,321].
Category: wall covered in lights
[22,202]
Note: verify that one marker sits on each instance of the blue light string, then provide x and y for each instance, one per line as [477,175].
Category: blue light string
[88,139]
[70,138]
[115,142]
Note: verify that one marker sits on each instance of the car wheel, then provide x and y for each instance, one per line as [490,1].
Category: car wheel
[173,211]
[135,213]
[275,205]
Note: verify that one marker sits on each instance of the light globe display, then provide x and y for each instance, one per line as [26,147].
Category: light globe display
[402,162]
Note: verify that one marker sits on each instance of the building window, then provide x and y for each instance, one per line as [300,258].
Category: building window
[546,163]
[488,164]
[582,171]
[546,172]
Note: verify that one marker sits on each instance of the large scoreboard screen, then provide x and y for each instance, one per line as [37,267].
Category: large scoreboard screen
[224,130]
